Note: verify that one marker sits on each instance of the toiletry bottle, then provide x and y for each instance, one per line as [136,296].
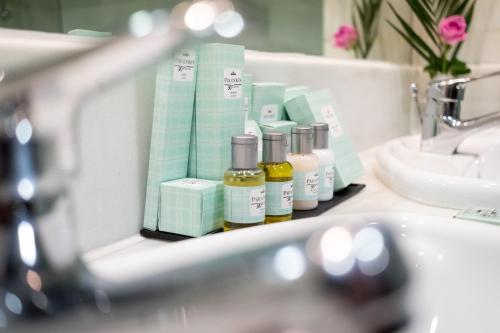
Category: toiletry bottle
[279,178]
[305,169]
[244,186]
[326,161]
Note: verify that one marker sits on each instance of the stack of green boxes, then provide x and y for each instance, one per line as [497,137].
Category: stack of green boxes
[196,144]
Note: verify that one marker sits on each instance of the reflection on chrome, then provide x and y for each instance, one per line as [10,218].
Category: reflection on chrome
[368,244]
[200,16]
[33,279]
[27,246]
[141,23]
[13,303]
[25,189]
[434,324]
[24,131]
[376,265]
[229,24]
[289,263]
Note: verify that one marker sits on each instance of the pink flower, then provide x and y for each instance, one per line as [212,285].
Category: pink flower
[345,37]
[453,29]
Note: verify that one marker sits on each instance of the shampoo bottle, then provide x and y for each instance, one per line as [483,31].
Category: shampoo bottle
[279,178]
[326,161]
[305,169]
[244,186]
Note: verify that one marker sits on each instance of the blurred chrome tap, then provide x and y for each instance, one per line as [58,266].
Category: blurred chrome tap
[443,128]
[346,278]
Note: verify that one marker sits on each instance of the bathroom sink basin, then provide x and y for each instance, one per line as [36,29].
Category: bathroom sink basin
[470,178]
[453,264]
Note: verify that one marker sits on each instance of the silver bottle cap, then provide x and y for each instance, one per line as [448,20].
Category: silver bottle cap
[302,139]
[320,135]
[244,151]
[274,147]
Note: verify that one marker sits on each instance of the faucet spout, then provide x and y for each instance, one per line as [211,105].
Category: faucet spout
[443,128]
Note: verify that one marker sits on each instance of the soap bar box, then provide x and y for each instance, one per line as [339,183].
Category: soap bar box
[191,207]
[267,102]
[317,106]
[219,110]
[171,127]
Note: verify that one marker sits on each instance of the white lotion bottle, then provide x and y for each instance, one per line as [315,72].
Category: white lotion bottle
[305,169]
[326,161]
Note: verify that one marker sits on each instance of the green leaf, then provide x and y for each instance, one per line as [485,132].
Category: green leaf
[415,46]
[425,19]
[412,35]
[458,67]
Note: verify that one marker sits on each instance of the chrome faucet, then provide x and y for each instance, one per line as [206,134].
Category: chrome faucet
[44,285]
[443,128]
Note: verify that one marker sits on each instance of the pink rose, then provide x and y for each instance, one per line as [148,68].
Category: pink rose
[453,29]
[345,37]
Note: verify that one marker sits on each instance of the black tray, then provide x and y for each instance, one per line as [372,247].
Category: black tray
[339,197]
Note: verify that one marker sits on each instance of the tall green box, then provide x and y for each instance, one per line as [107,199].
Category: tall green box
[191,207]
[219,109]
[170,135]
[317,106]
[267,102]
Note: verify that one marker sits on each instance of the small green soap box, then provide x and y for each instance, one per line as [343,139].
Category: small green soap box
[191,207]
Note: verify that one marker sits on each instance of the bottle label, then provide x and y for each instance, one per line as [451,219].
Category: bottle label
[305,185]
[333,122]
[269,113]
[184,63]
[279,198]
[244,204]
[232,83]
[326,179]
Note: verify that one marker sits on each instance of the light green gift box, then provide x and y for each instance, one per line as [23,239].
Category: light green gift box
[291,93]
[267,102]
[191,207]
[247,94]
[283,126]
[317,106]
[252,128]
[219,109]
[170,134]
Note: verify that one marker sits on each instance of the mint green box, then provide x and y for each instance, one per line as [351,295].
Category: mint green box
[219,109]
[267,102]
[317,106]
[191,207]
[247,93]
[291,93]
[283,126]
[170,134]
[251,127]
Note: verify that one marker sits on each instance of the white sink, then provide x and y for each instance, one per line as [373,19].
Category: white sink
[453,264]
[468,179]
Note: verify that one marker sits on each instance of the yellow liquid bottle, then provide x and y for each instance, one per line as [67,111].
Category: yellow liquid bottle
[244,186]
[279,178]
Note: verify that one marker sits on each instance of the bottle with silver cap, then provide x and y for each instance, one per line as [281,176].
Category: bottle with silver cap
[244,186]
[279,178]
[305,169]
[326,161]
